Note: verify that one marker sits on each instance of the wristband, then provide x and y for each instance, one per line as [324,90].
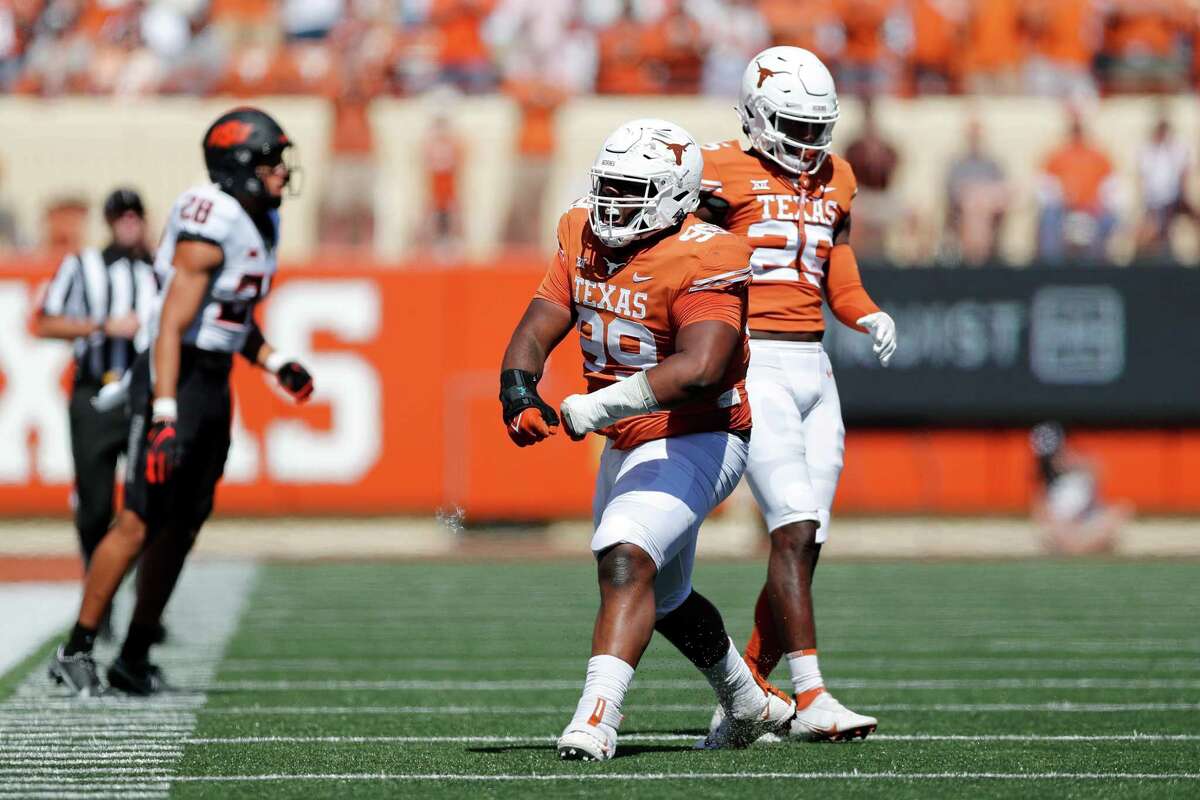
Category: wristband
[628,398]
[164,408]
[254,343]
[275,361]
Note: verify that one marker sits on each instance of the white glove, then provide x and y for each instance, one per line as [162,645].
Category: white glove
[882,328]
[113,395]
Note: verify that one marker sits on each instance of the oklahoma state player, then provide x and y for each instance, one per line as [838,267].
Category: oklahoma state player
[217,259]
[659,298]
[791,199]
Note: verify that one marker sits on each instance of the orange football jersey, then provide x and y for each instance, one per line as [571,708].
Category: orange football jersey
[790,223]
[629,311]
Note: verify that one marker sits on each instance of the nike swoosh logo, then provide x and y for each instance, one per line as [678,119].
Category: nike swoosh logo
[641,278]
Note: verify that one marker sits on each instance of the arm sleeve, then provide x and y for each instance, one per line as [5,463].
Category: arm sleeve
[844,292]
[64,282]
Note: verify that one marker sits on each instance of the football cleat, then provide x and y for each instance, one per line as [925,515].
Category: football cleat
[824,719]
[767,721]
[587,742]
[77,672]
[136,677]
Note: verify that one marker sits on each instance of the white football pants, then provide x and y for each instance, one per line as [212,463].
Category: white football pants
[796,451]
[656,495]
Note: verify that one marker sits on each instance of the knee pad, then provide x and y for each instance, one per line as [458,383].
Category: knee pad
[617,531]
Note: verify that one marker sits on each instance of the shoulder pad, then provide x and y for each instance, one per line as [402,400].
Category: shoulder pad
[205,212]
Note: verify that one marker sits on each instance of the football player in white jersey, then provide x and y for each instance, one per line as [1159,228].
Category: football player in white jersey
[216,260]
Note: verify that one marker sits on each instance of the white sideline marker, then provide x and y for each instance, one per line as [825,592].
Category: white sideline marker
[39,753]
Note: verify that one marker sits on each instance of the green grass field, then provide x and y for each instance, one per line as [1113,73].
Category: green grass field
[1013,679]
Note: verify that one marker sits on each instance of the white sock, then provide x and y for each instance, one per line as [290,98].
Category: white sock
[608,679]
[806,674]
[734,685]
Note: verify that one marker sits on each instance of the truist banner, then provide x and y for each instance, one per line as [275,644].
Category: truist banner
[1012,346]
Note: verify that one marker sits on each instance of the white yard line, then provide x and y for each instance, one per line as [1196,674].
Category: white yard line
[103,783]
[33,729]
[47,735]
[489,710]
[1175,647]
[541,666]
[689,683]
[672,737]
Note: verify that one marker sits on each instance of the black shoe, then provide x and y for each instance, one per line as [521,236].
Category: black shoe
[136,677]
[77,672]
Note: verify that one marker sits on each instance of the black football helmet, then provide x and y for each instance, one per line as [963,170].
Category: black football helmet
[237,144]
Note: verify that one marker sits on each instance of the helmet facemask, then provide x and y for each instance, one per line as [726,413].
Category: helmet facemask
[624,208]
[285,159]
[797,142]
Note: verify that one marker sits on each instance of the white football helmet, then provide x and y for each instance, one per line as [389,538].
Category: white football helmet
[788,106]
[646,179]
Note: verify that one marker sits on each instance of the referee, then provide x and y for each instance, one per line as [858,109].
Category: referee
[102,300]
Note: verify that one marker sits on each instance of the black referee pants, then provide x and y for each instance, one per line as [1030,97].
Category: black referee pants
[97,439]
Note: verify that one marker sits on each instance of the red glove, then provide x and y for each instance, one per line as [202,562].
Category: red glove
[527,418]
[161,452]
[530,426]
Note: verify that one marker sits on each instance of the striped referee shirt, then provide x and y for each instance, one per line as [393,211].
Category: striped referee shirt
[96,285]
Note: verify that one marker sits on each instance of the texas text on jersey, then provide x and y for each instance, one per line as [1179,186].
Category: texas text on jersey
[628,313]
[791,222]
[205,213]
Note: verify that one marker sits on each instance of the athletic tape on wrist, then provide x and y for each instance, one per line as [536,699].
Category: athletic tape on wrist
[275,361]
[164,408]
[628,398]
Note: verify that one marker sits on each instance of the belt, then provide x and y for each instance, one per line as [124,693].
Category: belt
[788,336]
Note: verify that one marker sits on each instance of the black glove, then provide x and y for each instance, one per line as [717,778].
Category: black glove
[295,380]
[527,418]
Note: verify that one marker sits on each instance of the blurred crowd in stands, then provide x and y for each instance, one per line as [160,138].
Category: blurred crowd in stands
[397,47]
[542,52]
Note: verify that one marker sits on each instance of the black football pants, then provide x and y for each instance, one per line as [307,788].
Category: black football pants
[97,439]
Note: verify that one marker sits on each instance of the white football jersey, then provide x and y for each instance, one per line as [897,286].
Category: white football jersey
[205,213]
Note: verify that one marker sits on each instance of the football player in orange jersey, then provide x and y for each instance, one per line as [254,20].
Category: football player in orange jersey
[659,298]
[791,198]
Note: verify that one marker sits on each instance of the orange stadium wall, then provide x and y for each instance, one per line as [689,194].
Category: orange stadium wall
[406,419]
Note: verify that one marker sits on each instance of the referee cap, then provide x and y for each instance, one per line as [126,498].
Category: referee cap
[122,200]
